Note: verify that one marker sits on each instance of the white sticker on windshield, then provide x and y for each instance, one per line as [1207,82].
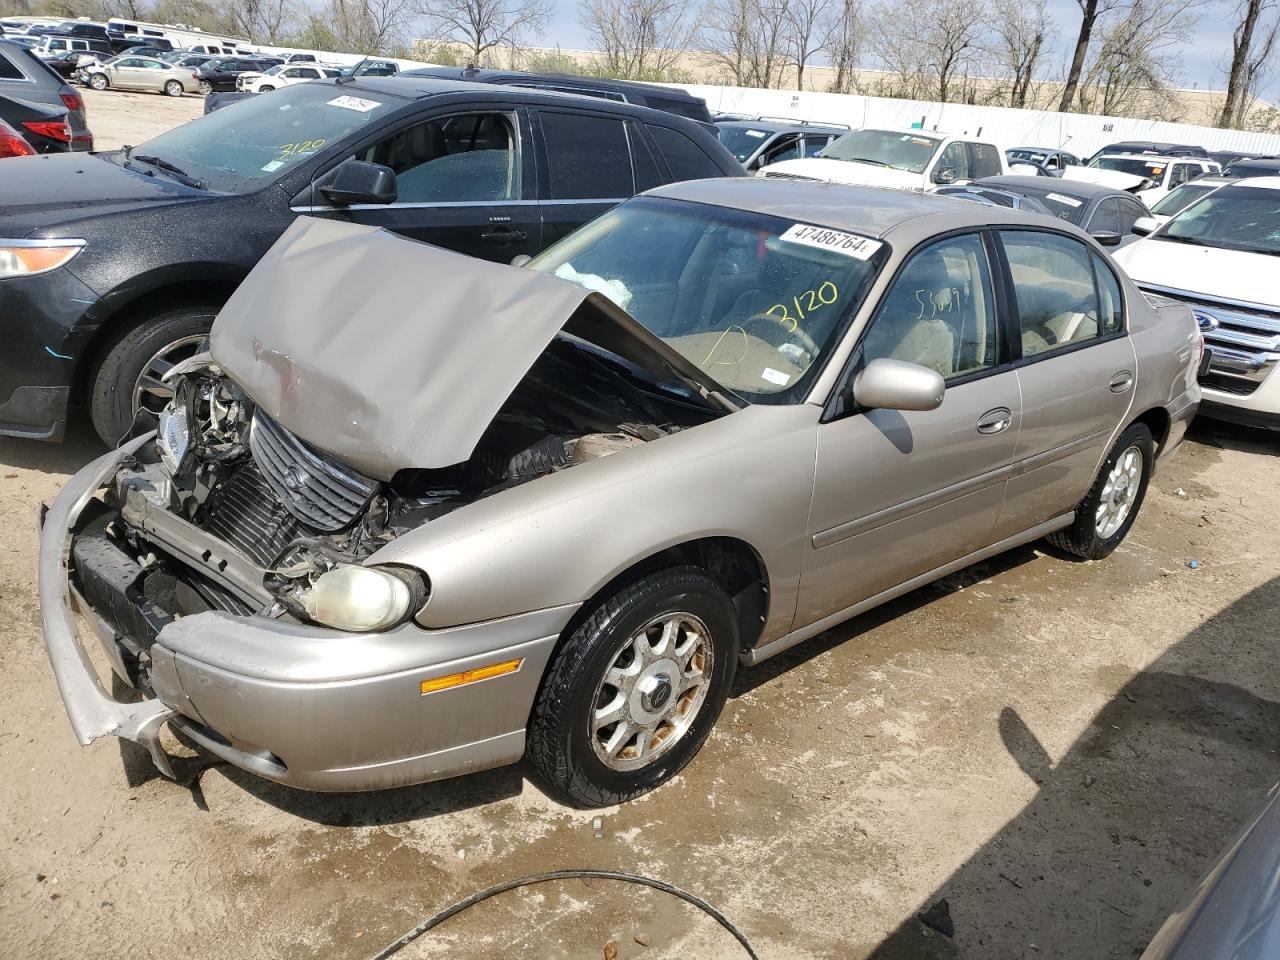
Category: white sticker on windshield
[755,133]
[1069,201]
[850,244]
[775,376]
[272,166]
[355,103]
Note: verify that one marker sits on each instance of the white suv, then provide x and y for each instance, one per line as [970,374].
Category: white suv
[1219,255]
[284,75]
[904,159]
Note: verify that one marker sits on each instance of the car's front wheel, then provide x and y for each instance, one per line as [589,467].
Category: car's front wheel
[206,87]
[1112,503]
[632,694]
[173,88]
[130,376]
[266,88]
[98,81]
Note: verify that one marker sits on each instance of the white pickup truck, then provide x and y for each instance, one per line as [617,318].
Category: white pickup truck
[1219,256]
[902,159]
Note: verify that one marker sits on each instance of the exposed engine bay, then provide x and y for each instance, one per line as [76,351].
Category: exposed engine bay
[230,511]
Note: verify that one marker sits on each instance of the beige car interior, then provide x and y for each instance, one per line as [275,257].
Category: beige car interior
[1057,305]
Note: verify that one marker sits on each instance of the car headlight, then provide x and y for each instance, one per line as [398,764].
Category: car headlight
[27,258]
[357,598]
[173,436]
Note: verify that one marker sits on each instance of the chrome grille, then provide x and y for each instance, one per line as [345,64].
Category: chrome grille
[246,513]
[1244,337]
[315,488]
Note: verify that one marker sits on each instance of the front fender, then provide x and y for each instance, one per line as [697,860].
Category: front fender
[558,539]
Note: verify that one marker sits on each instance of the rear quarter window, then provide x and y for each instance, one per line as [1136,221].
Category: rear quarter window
[8,71]
[685,159]
[587,156]
[984,161]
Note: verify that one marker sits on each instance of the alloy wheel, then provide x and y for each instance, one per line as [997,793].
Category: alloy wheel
[1118,493]
[149,390]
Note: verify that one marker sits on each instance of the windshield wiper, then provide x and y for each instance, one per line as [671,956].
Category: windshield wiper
[172,169]
[1177,239]
[878,163]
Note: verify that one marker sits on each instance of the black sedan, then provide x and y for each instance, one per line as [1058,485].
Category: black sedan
[135,251]
[219,75]
[1097,209]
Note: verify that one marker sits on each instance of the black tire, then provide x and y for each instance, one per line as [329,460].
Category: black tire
[266,88]
[125,358]
[98,81]
[1083,539]
[560,733]
[173,88]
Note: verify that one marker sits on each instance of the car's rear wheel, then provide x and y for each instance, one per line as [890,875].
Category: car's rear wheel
[98,81]
[632,694]
[1107,512]
[173,88]
[130,374]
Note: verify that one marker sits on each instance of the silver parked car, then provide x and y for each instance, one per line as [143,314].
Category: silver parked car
[139,73]
[415,514]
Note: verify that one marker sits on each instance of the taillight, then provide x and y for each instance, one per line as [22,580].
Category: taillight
[12,145]
[53,129]
[72,101]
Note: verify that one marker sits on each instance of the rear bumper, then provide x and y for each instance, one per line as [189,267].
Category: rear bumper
[1181,412]
[302,705]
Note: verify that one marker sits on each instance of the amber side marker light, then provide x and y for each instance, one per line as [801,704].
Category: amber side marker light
[470,676]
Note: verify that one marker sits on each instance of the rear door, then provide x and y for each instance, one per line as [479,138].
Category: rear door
[586,168]
[1075,366]
[466,182]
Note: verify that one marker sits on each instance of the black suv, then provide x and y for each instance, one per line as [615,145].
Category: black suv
[137,250]
[219,76]
[671,99]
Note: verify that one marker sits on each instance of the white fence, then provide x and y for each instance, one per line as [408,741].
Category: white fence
[1079,133]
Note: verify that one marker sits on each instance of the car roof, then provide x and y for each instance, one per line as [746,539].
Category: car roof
[870,211]
[1041,149]
[1266,162]
[1262,183]
[779,126]
[1072,188]
[1150,157]
[602,83]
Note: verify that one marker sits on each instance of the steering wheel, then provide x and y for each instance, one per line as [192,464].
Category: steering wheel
[792,329]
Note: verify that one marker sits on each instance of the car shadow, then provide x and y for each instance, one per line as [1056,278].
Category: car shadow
[749,678]
[80,446]
[1123,826]
[1233,436]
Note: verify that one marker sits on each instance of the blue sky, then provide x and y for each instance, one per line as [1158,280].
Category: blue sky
[1203,61]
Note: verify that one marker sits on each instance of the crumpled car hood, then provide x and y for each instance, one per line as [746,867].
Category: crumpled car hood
[1115,179]
[388,353]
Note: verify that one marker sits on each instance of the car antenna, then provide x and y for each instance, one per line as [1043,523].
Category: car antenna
[351,77]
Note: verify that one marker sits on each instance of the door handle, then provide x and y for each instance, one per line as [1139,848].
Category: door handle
[995,421]
[1121,382]
[502,235]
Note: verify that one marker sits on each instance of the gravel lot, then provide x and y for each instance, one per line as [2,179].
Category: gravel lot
[117,117]
[1058,749]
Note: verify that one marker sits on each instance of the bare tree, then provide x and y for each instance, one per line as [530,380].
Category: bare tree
[1135,67]
[1251,52]
[845,40]
[808,33]
[747,39]
[1022,30]
[367,26]
[638,39]
[928,45]
[1090,13]
[481,25]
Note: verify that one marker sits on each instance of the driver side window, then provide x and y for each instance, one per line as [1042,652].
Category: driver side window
[954,158]
[469,157]
[940,310]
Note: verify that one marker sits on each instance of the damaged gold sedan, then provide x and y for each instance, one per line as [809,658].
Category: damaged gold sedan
[414,515]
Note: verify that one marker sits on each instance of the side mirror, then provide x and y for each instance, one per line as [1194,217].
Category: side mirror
[945,175]
[520,259]
[1144,226]
[357,181]
[1108,238]
[897,385]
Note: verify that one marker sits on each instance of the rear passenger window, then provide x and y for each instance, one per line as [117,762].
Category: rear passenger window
[684,158]
[984,161]
[1053,282]
[588,157]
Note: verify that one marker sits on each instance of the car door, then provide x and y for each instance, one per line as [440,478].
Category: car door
[1076,368]
[466,182]
[585,168]
[900,493]
[127,73]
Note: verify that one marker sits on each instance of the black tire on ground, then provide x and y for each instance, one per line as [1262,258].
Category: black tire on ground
[125,358]
[560,731]
[173,88]
[1082,539]
[265,88]
[98,81]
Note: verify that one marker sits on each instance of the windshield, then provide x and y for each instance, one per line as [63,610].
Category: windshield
[1151,169]
[1231,218]
[272,71]
[742,142]
[1035,156]
[901,151]
[258,139]
[755,302]
[1180,197]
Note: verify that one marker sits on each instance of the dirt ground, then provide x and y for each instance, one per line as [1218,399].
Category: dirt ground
[1058,749]
[118,117]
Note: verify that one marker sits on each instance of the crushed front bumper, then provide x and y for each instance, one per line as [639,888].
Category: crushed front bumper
[302,705]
